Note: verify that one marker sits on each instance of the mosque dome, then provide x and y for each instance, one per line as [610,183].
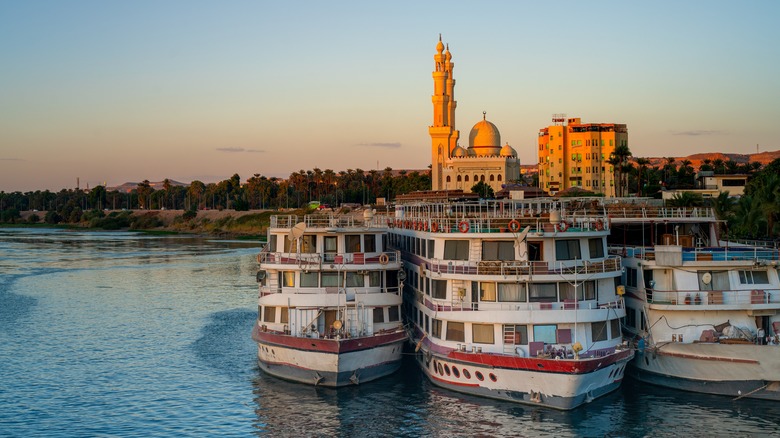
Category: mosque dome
[458,152]
[484,139]
[447,54]
[440,45]
[508,151]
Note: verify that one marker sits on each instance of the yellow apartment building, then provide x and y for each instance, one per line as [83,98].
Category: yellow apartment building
[576,154]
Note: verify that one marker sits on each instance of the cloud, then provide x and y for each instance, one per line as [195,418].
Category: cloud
[380,145]
[698,132]
[251,151]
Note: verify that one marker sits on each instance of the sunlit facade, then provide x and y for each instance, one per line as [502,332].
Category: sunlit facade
[575,154]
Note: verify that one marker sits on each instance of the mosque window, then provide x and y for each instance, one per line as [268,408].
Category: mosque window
[466,178]
[448,178]
[482,178]
[499,177]
[459,178]
[492,177]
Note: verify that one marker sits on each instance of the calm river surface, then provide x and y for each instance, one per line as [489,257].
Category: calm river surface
[123,334]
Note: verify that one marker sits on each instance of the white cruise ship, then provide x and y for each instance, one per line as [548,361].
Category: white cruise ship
[330,301]
[513,300]
[704,314]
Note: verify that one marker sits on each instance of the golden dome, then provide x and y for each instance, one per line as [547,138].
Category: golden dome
[508,151]
[440,45]
[447,54]
[458,152]
[484,139]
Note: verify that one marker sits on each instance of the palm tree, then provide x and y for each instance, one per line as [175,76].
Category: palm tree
[619,161]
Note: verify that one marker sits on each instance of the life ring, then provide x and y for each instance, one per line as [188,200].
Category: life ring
[562,226]
[463,227]
[389,223]
[435,227]
[514,226]
[383,259]
[599,225]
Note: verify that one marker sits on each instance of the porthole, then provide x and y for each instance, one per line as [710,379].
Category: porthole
[493,377]
[441,370]
[447,369]
[466,373]
[479,375]
[455,372]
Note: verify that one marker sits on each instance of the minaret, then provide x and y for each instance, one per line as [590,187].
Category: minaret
[444,137]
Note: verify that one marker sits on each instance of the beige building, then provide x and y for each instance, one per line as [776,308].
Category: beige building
[485,159]
[575,154]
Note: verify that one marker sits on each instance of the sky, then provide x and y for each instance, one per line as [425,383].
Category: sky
[116,91]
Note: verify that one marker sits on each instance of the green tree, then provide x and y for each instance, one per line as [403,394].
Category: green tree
[483,190]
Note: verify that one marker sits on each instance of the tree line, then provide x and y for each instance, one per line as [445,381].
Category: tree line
[353,186]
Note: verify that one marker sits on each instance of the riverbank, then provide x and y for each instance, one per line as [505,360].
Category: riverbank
[222,223]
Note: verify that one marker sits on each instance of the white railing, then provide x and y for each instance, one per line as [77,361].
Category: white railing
[512,267]
[709,298]
[335,290]
[718,254]
[316,259]
[327,221]
[442,306]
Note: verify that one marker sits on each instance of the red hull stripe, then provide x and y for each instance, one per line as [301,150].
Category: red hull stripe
[713,358]
[561,366]
[331,346]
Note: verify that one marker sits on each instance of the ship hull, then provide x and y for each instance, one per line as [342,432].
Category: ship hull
[329,362]
[751,371]
[565,385]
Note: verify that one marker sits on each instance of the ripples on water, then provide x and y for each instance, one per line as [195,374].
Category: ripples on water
[122,334]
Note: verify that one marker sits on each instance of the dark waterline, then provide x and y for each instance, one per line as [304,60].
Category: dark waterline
[120,334]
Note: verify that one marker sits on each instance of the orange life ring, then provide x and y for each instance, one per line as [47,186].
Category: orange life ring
[562,226]
[435,227]
[383,259]
[599,225]
[514,226]
[463,227]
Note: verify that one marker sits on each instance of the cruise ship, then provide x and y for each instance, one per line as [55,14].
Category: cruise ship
[704,313]
[512,300]
[329,308]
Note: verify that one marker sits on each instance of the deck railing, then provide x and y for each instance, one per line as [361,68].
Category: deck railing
[704,253]
[567,305]
[316,260]
[335,290]
[617,212]
[712,298]
[512,267]
[327,221]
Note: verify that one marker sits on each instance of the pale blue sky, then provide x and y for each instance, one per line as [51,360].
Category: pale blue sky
[121,91]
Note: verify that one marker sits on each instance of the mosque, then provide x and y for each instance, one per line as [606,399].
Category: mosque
[452,166]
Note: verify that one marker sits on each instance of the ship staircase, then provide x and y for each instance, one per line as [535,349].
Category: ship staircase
[509,338]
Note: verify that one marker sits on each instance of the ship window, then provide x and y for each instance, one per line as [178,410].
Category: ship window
[588,290]
[309,244]
[456,250]
[546,333]
[615,328]
[482,333]
[512,292]
[272,243]
[430,248]
[542,292]
[631,277]
[498,250]
[269,314]
[630,317]
[534,251]
[393,314]
[352,243]
[375,278]
[427,326]
[310,279]
[288,279]
[287,244]
[753,277]
[718,280]
[520,336]
[355,279]
[331,247]
[455,331]
[567,249]
[487,291]
[285,313]
[370,241]
[439,289]
[379,315]
[566,291]
[598,331]
[596,247]
[436,333]
[330,279]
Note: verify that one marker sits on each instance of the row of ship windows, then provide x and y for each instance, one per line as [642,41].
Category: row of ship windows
[513,334]
[512,292]
[565,249]
[337,279]
[269,314]
[353,243]
[445,370]
[718,280]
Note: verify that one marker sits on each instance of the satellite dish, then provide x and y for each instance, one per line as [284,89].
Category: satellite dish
[297,231]
[706,278]
[523,234]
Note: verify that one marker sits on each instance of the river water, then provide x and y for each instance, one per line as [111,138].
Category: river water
[124,334]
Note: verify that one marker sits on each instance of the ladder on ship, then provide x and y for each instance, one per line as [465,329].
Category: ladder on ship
[509,338]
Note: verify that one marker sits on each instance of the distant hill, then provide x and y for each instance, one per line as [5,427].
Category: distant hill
[697,159]
[129,186]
